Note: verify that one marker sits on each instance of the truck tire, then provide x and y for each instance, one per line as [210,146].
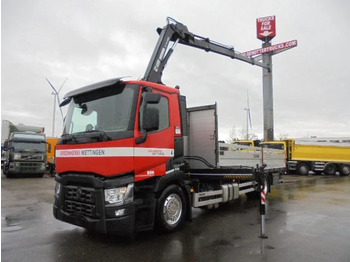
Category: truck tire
[303,169]
[344,170]
[171,209]
[6,172]
[330,169]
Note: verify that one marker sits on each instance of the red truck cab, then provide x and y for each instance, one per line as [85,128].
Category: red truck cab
[116,134]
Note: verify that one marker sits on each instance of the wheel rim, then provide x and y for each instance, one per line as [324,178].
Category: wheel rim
[172,209]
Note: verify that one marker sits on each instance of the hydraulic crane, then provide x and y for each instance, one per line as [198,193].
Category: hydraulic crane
[178,33]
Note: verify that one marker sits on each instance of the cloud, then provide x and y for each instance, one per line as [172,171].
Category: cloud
[90,41]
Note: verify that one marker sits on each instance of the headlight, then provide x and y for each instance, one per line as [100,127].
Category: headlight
[120,195]
[16,156]
[57,190]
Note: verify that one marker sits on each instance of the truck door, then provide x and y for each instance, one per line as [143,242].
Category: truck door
[153,154]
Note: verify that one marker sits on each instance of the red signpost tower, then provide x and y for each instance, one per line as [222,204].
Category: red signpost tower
[265,31]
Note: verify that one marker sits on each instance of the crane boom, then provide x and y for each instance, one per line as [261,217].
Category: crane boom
[178,33]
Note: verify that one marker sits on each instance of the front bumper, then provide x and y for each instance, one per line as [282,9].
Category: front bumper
[123,225]
[81,203]
[21,167]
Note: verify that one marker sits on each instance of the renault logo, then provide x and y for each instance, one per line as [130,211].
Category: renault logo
[79,192]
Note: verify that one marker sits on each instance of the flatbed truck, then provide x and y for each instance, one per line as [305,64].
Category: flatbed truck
[273,160]
[134,157]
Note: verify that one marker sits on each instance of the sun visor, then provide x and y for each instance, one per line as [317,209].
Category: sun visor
[90,88]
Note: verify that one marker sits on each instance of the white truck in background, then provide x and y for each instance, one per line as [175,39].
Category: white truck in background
[23,149]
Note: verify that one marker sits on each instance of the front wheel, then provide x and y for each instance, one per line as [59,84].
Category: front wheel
[171,209]
[7,173]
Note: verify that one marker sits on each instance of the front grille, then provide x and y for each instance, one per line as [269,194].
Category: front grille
[80,208]
[80,200]
[29,166]
[81,194]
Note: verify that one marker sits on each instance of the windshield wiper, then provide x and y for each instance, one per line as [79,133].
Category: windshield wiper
[68,137]
[39,151]
[84,137]
[102,135]
[20,150]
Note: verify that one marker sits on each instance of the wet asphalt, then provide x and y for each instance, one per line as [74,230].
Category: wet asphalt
[307,219]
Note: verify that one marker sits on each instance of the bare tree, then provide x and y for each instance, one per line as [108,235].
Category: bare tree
[282,136]
[240,134]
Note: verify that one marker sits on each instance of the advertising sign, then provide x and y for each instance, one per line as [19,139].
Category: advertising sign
[266,27]
[272,48]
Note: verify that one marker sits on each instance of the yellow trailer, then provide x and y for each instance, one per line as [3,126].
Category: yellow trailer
[302,158]
[51,153]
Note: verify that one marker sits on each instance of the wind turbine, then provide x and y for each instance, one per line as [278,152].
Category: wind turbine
[56,93]
[249,119]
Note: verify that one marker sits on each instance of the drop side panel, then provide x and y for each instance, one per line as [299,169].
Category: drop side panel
[202,140]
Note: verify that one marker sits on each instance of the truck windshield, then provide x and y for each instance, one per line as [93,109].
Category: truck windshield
[243,143]
[274,146]
[107,112]
[29,147]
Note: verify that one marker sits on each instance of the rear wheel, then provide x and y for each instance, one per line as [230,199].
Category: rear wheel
[303,169]
[171,210]
[330,169]
[344,170]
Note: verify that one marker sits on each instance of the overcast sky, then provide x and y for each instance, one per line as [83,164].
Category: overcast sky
[89,41]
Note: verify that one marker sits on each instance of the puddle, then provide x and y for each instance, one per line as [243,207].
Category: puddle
[11,228]
[10,224]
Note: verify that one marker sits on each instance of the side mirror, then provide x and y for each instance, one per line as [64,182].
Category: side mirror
[151,119]
[152,98]
[6,145]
